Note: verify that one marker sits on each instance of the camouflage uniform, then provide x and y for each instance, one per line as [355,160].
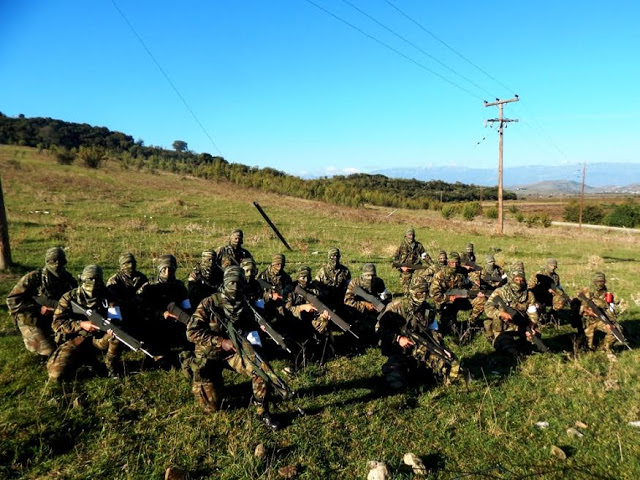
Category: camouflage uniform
[232,253]
[487,280]
[124,286]
[253,292]
[508,336]
[452,277]
[412,252]
[547,279]
[215,345]
[163,333]
[468,257]
[334,278]
[33,320]
[428,273]
[205,278]
[280,280]
[297,305]
[415,315]
[77,345]
[593,323]
[364,311]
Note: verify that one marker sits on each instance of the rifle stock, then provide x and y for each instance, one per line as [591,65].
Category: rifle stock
[372,299]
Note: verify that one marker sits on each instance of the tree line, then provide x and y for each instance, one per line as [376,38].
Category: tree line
[92,145]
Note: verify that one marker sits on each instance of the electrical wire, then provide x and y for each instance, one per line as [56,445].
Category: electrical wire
[164,73]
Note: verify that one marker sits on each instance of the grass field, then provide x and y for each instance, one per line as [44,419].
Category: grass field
[137,426]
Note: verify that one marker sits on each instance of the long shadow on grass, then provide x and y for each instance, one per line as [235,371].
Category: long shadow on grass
[501,471]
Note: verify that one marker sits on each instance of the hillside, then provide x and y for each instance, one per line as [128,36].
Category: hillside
[137,426]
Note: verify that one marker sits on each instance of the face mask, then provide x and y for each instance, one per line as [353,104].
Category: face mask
[248,273]
[232,290]
[367,280]
[518,287]
[91,286]
[55,267]
[303,281]
[417,299]
[128,268]
[206,265]
[333,260]
[236,240]
[166,274]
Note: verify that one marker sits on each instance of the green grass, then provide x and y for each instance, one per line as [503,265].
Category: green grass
[138,426]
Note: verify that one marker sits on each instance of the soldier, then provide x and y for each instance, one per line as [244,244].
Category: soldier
[275,278]
[487,280]
[126,283]
[590,319]
[233,253]
[165,334]
[216,328]
[365,312]
[205,278]
[47,285]
[510,334]
[78,338]
[545,285]
[334,278]
[254,293]
[468,259]
[403,322]
[410,252]
[428,273]
[447,305]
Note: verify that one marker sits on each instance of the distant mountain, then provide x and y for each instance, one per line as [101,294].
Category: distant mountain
[598,174]
[552,187]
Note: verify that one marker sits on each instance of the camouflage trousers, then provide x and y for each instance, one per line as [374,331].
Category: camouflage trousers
[405,282]
[510,342]
[81,350]
[208,384]
[448,313]
[399,369]
[593,325]
[36,333]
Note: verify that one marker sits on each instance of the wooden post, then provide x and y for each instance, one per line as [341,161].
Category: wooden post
[5,250]
[501,121]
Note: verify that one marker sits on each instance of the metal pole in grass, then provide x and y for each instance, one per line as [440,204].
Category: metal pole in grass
[5,250]
[501,122]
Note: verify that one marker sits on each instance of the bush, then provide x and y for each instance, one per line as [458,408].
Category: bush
[470,210]
[448,211]
[625,215]
[592,214]
[513,209]
[92,157]
[64,156]
[531,220]
[545,220]
[519,217]
[492,213]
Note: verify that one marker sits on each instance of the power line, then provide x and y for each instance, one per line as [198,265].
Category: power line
[417,47]
[175,89]
[449,47]
[406,57]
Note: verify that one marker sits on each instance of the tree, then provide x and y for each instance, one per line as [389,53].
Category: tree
[179,146]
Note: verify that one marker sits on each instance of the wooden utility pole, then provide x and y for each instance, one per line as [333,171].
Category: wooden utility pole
[584,171]
[501,122]
[5,250]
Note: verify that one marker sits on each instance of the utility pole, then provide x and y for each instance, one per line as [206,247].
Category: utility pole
[584,171]
[501,122]
[5,250]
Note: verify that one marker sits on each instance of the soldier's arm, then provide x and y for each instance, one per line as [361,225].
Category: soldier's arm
[198,329]
[436,292]
[533,281]
[21,295]
[490,309]
[351,300]
[532,310]
[63,320]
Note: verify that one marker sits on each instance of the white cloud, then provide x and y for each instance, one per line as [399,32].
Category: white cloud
[341,171]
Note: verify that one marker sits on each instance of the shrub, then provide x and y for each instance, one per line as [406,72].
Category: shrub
[64,156]
[625,215]
[448,211]
[531,220]
[545,220]
[590,214]
[470,210]
[513,209]
[492,213]
[520,217]
[92,157]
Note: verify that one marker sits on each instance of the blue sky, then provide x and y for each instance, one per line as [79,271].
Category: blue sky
[284,84]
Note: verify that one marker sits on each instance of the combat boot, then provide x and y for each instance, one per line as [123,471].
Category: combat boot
[206,396]
[270,422]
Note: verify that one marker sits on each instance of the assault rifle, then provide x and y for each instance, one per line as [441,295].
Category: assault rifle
[615,329]
[378,304]
[272,288]
[105,324]
[178,313]
[410,266]
[259,366]
[321,307]
[469,265]
[520,319]
[268,329]
[468,292]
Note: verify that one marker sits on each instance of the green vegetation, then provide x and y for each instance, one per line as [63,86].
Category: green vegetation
[136,427]
[353,190]
[625,215]
[591,214]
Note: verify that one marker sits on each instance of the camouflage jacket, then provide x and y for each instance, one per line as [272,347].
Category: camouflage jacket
[443,281]
[125,287]
[200,286]
[354,301]
[427,273]
[281,280]
[66,324]
[524,302]
[207,326]
[540,283]
[410,252]
[467,258]
[295,300]
[401,314]
[487,278]
[38,283]
[227,256]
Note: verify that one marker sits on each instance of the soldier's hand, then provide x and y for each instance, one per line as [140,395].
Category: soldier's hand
[167,315]
[453,298]
[227,345]
[405,269]
[590,313]
[369,306]
[275,296]
[324,315]
[44,310]
[405,342]
[307,307]
[480,295]
[88,326]
[109,335]
[505,316]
